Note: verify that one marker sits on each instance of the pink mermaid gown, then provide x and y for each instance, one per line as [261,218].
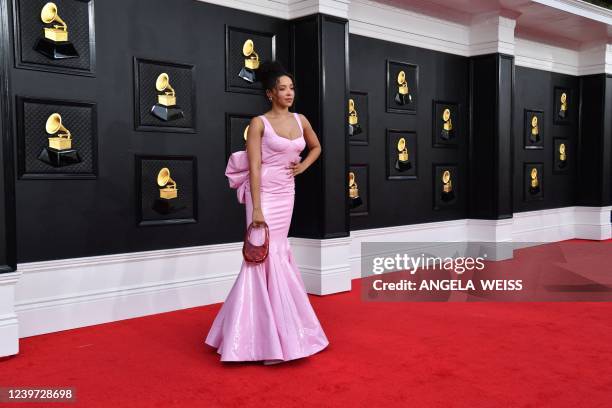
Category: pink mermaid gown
[267,315]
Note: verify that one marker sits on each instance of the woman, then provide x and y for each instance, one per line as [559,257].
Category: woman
[267,315]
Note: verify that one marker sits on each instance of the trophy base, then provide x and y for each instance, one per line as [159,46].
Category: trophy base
[402,165]
[59,158]
[562,114]
[354,129]
[534,190]
[403,99]
[247,74]
[167,113]
[356,202]
[56,50]
[534,139]
[446,197]
[446,134]
[562,164]
[165,207]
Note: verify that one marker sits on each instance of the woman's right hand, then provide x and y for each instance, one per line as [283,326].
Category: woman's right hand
[257,218]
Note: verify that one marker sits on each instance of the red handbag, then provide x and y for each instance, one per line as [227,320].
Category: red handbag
[254,253]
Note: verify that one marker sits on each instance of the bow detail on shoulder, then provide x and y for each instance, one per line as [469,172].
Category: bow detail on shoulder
[237,173]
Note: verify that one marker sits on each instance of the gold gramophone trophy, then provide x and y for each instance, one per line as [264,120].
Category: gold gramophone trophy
[54,43]
[562,156]
[402,163]
[534,136]
[447,186]
[166,108]
[353,120]
[534,187]
[168,191]
[354,191]
[244,134]
[563,107]
[402,97]
[251,62]
[447,126]
[59,152]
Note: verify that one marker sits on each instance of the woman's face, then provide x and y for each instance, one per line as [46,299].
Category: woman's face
[283,92]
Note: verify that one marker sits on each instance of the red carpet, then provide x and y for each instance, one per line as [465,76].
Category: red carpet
[381,354]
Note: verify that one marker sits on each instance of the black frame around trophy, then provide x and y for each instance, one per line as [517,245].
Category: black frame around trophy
[363,138]
[59,66]
[437,171]
[527,195]
[140,222]
[437,124]
[568,120]
[557,167]
[244,87]
[527,115]
[391,172]
[164,126]
[408,67]
[364,208]
[24,149]
[232,134]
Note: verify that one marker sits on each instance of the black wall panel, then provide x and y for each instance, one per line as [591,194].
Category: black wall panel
[442,77]
[73,218]
[8,261]
[535,89]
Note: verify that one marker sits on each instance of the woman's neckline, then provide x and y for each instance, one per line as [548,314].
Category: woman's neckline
[283,137]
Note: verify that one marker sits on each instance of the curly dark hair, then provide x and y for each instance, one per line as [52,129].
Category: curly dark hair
[269,72]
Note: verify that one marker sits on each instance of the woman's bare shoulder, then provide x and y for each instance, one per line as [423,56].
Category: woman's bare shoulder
[256,122]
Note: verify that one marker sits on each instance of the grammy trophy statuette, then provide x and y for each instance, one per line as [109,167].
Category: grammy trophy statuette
[562,156]
[251,62]
[447,128]
[353,120]
[447,187]
[534,187]
[54,44]
[166,108]
[402,163]
[168,191]
[59,152]
[402,97]
[356,201]
[534,137]
[244,134]
[563,107]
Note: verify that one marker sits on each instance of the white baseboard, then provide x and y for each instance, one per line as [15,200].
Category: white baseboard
[9,327]
[57,295]
[324,264]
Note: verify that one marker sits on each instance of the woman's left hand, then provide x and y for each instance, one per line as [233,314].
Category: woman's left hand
[296,168]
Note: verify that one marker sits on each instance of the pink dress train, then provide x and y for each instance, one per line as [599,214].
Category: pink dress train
[267,315]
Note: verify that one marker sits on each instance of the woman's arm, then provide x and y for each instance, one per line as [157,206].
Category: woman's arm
[253,148]
[314,147]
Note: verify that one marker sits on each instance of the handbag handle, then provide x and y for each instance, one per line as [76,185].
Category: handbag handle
[255,253]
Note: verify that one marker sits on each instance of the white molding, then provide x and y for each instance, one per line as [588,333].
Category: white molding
[323,263]
[491,33]
[580,8]
[114,287]
[287,9]
[536,55]
[300,8]
[9,327]
[384,22]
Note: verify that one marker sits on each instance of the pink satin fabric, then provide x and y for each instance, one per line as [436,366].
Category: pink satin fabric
[267,314]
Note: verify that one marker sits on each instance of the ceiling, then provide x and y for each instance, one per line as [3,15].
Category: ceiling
[581,23]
